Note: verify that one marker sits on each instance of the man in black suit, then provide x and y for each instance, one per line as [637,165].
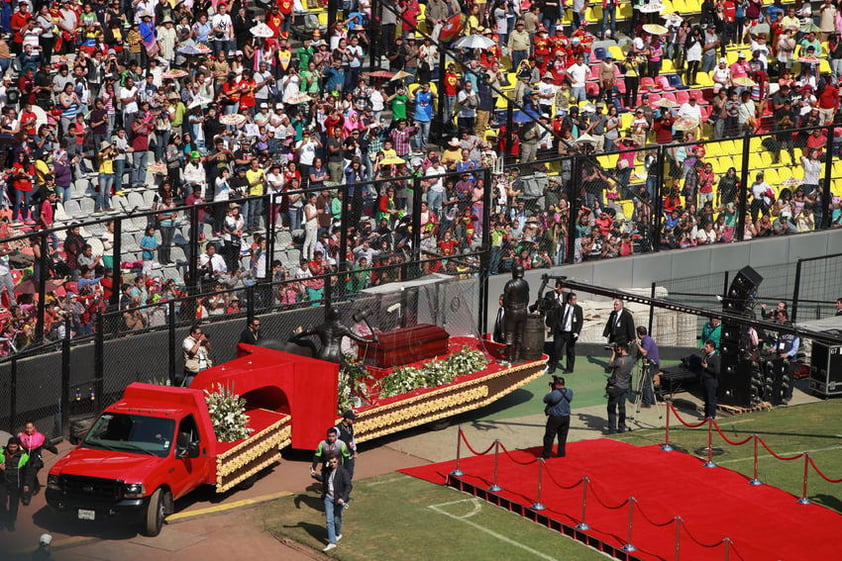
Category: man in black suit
[566,330]
[619,329]
[710,378]
[251,334]
[336,491]
[499,336]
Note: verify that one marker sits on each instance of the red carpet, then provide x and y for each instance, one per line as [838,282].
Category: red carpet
[763,523]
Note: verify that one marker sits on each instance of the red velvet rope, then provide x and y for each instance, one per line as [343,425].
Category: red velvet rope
[822,475]
[701,544]
[728,440]
[609,507]
[683,422]
[653,523]
[471,448]
[784,458]
[559,485]
[518,462]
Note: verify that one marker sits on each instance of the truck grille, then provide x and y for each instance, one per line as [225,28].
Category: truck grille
[91,487]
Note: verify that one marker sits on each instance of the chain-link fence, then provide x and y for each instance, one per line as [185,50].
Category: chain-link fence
[817,287]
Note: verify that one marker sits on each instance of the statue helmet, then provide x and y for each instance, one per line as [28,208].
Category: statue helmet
[517,272]
[332,313]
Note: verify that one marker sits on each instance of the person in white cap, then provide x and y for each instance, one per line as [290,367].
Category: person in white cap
[43,551]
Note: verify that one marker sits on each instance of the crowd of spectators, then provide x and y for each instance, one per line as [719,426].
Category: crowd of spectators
[261,113]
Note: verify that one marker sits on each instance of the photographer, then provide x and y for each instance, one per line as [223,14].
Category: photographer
[617,388]
[651,357]
[196,349]
[558,417]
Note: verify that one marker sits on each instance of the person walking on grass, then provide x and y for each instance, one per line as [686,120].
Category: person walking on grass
[336,491]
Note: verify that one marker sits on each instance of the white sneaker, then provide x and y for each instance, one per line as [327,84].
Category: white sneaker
[339,537]
[329,546]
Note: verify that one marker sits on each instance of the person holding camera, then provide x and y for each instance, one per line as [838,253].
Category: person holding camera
[617,388]
[558,417]
[196,348]
[648,350]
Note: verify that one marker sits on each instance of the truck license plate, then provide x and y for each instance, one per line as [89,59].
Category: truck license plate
[87,514]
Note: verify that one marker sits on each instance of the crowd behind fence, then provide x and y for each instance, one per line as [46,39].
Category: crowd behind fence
[566,209]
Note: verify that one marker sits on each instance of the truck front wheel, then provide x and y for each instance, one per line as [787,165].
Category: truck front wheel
[155,512]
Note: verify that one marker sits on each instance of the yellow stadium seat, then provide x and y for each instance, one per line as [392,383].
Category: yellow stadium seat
[617,52]
[626,120]
[608,161]
[824,66]
[704,80]
[772,177]
[714,149]
[422,14]
[667,66]
[628,209]
[716,164]
[323,19]
[755,144]
[624,11]
[593,14]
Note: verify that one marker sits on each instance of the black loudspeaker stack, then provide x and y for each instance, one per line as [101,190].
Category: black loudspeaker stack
[741,381]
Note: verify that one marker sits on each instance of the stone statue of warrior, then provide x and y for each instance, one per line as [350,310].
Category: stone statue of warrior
[515,303]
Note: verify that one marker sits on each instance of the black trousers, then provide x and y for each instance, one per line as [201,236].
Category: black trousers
[557,426]
[711,386]
[564,343]
[9,502]
[617,409]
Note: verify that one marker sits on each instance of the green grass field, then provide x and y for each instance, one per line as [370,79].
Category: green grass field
[396,513]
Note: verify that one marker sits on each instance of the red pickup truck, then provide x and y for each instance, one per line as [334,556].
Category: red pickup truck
[157,443]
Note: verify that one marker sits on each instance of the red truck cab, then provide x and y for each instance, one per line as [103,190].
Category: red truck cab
[157,443]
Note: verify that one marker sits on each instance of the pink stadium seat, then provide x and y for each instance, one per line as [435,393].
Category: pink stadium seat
[682,97]
[647,83]
[664,84]
[670,96]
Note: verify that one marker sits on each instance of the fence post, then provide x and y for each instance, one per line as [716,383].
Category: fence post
[416,225]
[652,308]
[743,195]
[495,487]
[582,525]
[629,546]
[485,258]
[796,290]
[171,342]
[657,202]
[537,504]
[270,235]
[64,398]
[710,463]
[99,357]
[193,252]
[573,209]
[828,178]
[13,394]
[117,277]
[727,543]
[678,521]
[803,500]
[250,302]
[666,446]
[754,479]
[458,472]
[42,288]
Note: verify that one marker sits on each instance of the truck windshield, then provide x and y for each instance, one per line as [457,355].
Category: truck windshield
[132,433]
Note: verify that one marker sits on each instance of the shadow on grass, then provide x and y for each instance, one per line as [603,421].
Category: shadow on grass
[308,501]
[829,501]
[318,533]
[592,421]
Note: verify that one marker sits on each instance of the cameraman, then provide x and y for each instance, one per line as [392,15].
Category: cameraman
[648,349]
[558,417]
[196,348]
[617,388]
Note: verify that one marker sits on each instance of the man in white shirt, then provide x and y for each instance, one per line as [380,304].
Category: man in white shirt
[128,96]
[578,74]
[435,188]
[467,101]
[222,32]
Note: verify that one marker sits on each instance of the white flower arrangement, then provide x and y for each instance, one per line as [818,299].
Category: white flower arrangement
[434,373]
[228,414]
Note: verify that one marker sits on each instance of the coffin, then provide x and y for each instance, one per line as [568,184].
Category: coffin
[406,345]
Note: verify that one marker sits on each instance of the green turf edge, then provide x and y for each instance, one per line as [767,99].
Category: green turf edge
[391,518]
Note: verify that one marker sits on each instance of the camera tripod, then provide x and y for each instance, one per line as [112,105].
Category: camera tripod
[644,382]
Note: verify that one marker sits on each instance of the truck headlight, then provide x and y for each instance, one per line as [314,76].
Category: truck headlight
[53,482]
[134,490]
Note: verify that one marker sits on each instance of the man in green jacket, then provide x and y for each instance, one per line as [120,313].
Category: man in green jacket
[14,464]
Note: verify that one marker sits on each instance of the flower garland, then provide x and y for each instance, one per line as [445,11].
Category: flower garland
[354,383]
[434,373]
[227,413]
